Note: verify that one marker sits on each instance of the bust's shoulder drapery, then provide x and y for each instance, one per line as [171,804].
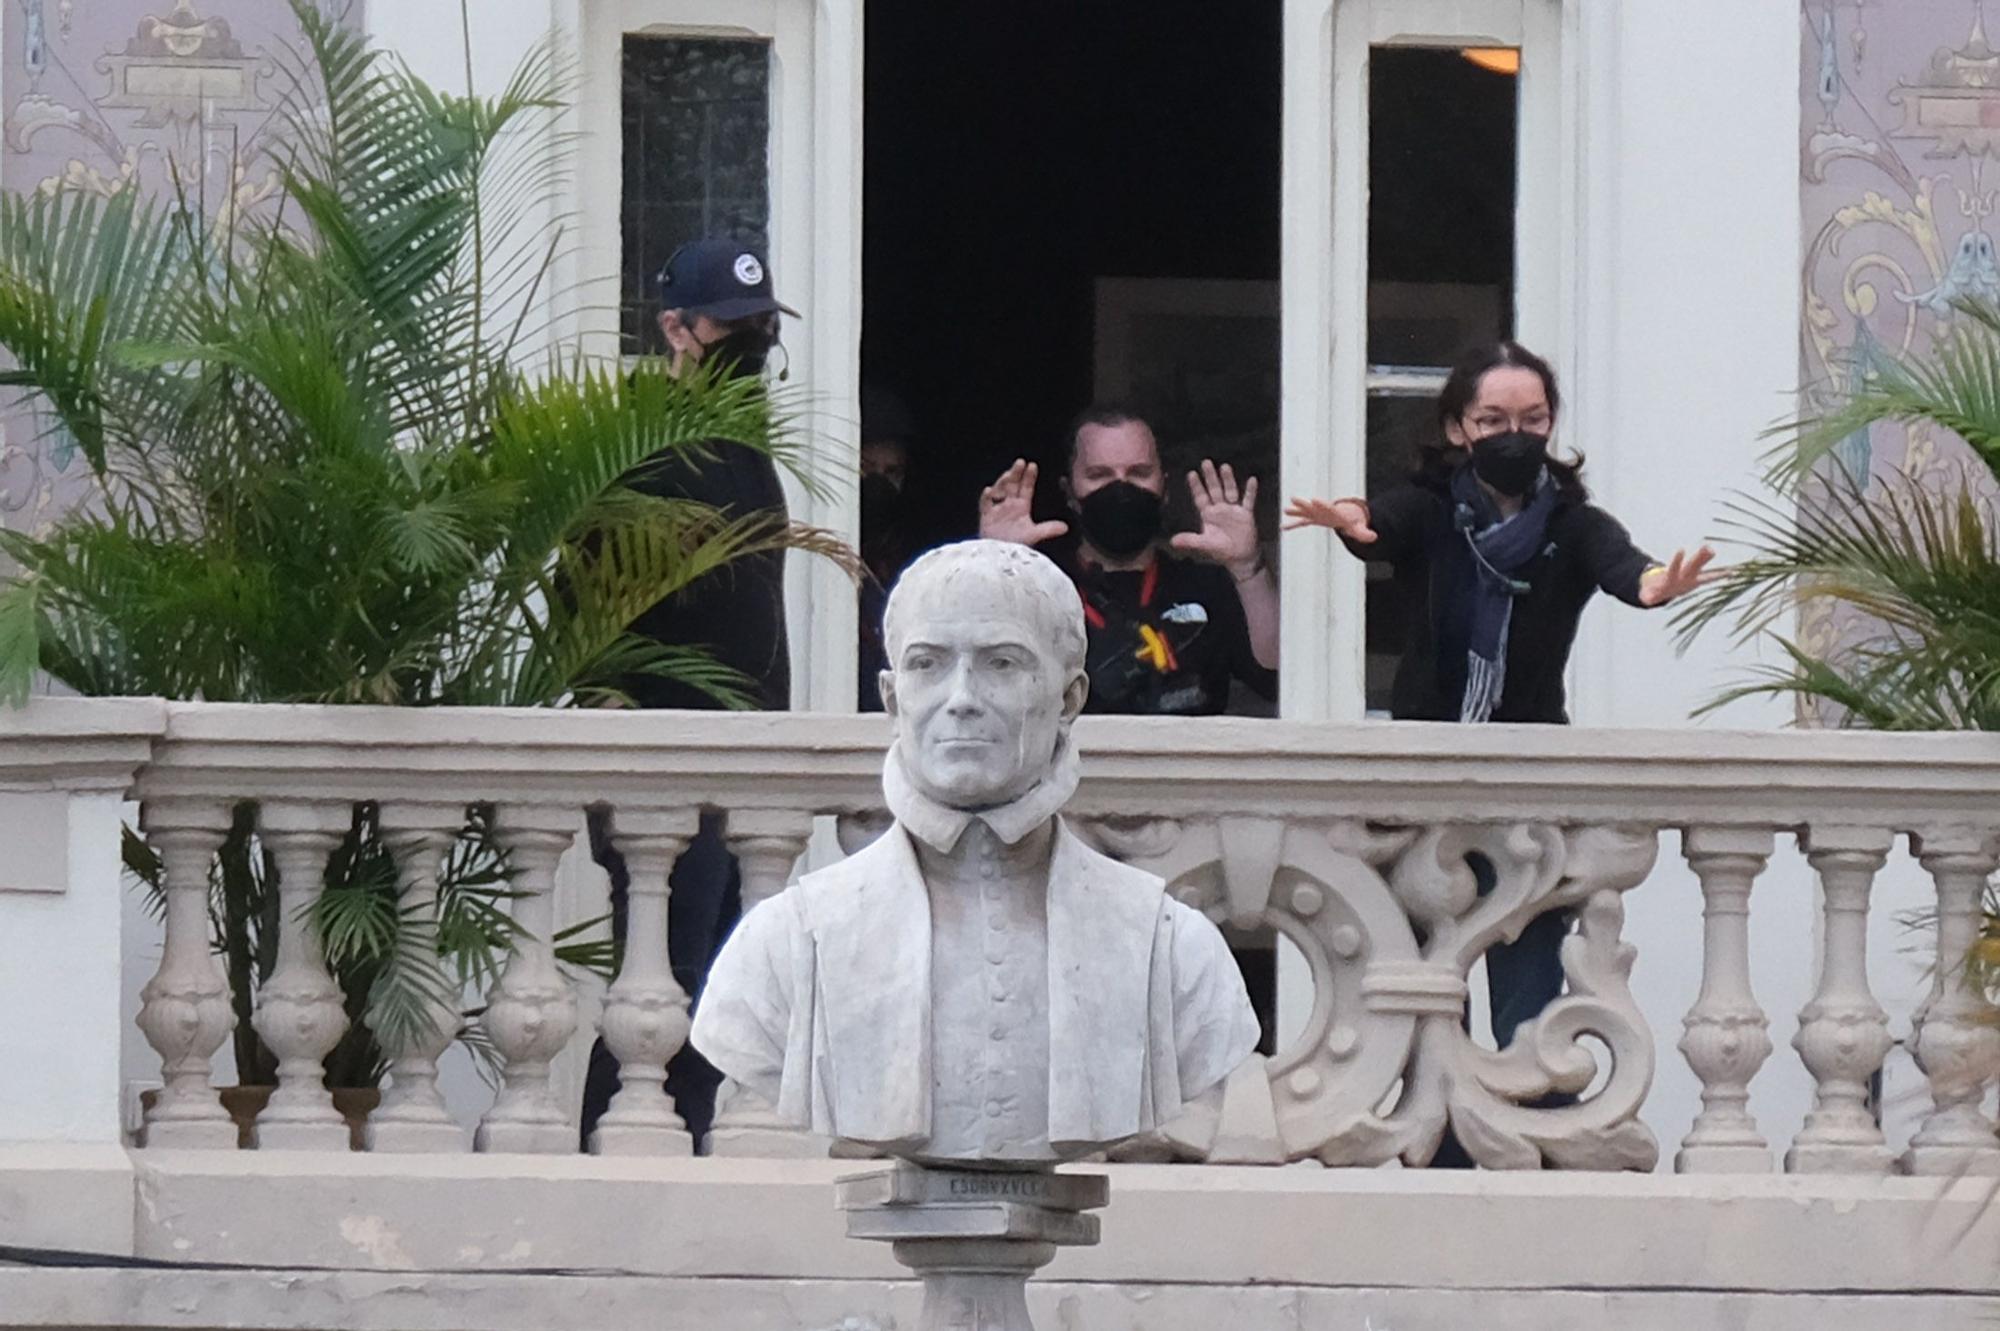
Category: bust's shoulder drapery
[820,1003]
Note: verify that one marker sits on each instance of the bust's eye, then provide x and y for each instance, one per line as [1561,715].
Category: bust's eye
[1006,662]
[924,661]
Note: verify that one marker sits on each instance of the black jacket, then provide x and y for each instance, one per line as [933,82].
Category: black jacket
[737,612]
[1587,551]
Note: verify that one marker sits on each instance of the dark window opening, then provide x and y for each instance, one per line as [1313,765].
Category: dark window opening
[1442,173]
[696,116]
[1066,203]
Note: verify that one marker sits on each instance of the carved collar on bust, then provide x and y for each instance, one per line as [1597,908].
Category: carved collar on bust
[939,826]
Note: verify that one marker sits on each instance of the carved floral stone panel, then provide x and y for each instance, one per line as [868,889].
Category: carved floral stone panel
[1390,920]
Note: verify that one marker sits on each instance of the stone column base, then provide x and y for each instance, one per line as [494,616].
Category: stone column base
[974,1236]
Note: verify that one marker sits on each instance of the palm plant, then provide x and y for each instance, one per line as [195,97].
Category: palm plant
[321,473]
[1902,567]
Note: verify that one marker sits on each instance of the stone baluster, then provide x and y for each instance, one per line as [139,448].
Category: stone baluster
[412,1117]
[1843,1032]
[299,1011]
[531,1012]
[1726,1037]
[1956,1041]
[184,1009]
[645,1020]
[766,843]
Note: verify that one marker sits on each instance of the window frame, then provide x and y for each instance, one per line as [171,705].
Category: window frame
[815,228]
[1326,375]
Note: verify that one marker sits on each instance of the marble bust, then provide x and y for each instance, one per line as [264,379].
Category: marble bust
[978,985]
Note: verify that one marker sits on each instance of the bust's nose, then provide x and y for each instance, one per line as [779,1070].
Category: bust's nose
[963,701]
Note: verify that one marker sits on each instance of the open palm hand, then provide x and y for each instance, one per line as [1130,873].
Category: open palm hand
[1228,515]
[1679,576]
[1006,508]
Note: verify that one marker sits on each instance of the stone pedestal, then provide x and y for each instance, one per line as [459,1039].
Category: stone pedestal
[975,1236]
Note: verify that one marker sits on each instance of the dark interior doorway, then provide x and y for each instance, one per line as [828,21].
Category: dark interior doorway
[1015,156]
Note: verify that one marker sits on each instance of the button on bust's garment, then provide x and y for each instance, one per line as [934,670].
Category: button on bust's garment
[989,948]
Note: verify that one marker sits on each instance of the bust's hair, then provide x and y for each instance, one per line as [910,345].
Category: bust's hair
[1027,581]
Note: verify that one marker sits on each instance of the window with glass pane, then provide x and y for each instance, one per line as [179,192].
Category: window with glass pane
[1441,177]
[697,130]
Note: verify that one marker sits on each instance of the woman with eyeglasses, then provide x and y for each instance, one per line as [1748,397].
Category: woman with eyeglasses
[1496,549]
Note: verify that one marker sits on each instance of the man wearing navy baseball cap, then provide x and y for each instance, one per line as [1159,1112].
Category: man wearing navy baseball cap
[716,308]
[716,302]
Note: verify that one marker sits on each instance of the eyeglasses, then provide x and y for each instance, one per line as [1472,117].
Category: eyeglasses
[1488,423]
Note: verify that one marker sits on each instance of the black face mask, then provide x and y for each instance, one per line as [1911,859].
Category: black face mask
[1511,463]
[1121,519]
[741,353]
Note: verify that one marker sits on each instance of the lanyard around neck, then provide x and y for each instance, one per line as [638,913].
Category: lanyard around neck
[1149,585]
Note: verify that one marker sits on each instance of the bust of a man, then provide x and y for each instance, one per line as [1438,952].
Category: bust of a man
[978,985]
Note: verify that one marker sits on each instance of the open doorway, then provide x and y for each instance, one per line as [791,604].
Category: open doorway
[1066,203]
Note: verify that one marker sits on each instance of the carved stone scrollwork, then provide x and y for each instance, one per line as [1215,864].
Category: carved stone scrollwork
[1548,1054]
[1389,920]
[1487,1096]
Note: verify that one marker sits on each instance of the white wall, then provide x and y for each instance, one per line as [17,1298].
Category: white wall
[59,968]
[1692,296]
[1693,290]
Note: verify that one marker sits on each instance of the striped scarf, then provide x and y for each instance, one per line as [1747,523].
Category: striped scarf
[1499,549]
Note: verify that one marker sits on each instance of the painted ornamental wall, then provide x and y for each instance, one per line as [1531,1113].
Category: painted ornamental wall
[98,94]
[1901,107]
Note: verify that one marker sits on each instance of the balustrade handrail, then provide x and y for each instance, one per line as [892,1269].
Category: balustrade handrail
[1393,855]
[1132,766]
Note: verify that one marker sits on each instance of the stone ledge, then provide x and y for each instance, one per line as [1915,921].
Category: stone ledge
[776,1220]
[93,1300]
[66,1195]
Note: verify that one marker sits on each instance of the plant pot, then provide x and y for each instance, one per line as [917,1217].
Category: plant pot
[244,1103]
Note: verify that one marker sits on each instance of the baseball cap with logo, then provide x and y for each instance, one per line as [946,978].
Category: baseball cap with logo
[723,279]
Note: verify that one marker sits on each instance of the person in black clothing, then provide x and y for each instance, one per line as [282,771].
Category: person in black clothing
[718,308]
[1170,622]
[887,432]
[1496,549]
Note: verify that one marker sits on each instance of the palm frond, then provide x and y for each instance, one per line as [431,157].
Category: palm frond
[322,475]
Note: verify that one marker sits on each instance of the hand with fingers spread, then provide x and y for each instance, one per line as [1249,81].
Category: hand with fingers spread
[1006,508]
[1228,515]
[1348,517]
[1677,577]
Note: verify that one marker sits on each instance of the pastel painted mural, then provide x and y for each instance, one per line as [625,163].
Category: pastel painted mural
[1902,127]
[1900,186]
[100,95]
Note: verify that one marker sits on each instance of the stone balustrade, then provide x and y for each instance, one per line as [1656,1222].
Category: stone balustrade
[1354,843]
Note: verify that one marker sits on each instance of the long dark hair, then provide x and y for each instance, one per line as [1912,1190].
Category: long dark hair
[1438,457]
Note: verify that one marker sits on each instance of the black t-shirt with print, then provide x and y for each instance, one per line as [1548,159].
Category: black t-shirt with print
[1166,641]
